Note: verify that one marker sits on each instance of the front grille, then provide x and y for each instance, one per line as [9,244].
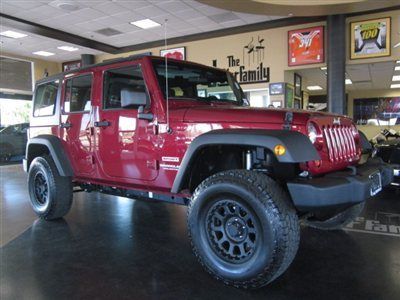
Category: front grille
[340,143]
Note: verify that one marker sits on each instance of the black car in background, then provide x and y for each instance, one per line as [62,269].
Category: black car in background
[387,146]
[13,140]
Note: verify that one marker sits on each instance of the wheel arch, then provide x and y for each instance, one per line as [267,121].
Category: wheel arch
[51,145]
[298,147]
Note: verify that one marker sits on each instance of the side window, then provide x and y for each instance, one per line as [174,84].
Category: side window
[124,88]
[45,99]
[78,91]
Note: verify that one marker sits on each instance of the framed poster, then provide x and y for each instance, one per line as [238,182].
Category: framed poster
[370,38]
[297,85]
[297,104]
[175,53]
[306,46]
[289,96]
[277,88]
[71,65]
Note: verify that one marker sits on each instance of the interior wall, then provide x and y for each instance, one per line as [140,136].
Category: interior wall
[205,51]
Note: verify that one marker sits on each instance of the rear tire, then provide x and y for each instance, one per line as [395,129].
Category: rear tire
[338,221]
[243,228]
[50,193]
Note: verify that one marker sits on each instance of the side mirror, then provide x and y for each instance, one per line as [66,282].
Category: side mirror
[133,99]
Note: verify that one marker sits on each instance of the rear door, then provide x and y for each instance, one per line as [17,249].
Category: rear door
[76,123]
[126,148]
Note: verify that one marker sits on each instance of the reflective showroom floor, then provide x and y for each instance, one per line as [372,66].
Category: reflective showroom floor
[116,248]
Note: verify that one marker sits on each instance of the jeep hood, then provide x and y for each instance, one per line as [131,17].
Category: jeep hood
[238,114]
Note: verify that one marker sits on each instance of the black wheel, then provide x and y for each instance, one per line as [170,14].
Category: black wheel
[243,228]
[338,221]
[50,193]
[6,152]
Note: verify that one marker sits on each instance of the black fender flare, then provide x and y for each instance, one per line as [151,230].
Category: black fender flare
[298,146]
[53,144]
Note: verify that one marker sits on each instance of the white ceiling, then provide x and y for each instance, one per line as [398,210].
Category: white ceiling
[185,17]
[364,76]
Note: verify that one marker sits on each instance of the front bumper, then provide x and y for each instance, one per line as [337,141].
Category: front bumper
[339,189]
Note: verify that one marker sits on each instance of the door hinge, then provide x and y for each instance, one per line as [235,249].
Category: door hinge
[152,129]
[152,164]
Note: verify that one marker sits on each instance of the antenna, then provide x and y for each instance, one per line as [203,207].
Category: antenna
[169,130]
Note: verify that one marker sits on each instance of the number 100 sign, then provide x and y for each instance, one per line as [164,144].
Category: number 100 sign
[370,38]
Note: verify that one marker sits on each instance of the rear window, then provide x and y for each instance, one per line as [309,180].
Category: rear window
[78,94]
[45,99]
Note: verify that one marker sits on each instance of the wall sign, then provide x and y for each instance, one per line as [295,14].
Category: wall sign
[249,67]
[306,46]
[175,53]
[71,65]
[370,38]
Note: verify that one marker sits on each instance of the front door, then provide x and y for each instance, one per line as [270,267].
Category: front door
[75,128]
[125,143]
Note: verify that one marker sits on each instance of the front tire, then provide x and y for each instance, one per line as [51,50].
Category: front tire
[243,228]
[50,193]
[338,221]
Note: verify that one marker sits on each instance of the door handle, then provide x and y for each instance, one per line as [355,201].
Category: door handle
[65,125]
[102,124]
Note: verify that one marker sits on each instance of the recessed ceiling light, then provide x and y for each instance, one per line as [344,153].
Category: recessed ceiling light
[397,68]
[395,86]
[43,53]
[13,34]
[396,78]
[397,61]
[145,24]
[314,88]
[68,48]
[348,81]
[324,68]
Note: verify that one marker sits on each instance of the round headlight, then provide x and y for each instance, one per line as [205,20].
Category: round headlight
[312,132]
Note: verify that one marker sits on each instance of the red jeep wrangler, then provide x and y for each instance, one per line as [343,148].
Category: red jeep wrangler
[144,127]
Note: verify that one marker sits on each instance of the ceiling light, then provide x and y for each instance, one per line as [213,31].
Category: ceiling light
[348,81]
[68,48]
[43,53]
[324,68]
[397,61]
[145,24]
[13,34]
[397,68]
[314,88]
[395,86]
[396,78]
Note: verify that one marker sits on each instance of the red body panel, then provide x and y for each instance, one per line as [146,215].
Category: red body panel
[139,154]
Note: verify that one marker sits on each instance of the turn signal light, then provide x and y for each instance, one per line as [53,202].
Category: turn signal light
[279,150]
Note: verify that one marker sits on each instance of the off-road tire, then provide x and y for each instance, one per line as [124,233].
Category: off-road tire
[50,193]
[338,221]
[277,235]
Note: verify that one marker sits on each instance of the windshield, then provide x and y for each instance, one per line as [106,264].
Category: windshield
[187,81]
